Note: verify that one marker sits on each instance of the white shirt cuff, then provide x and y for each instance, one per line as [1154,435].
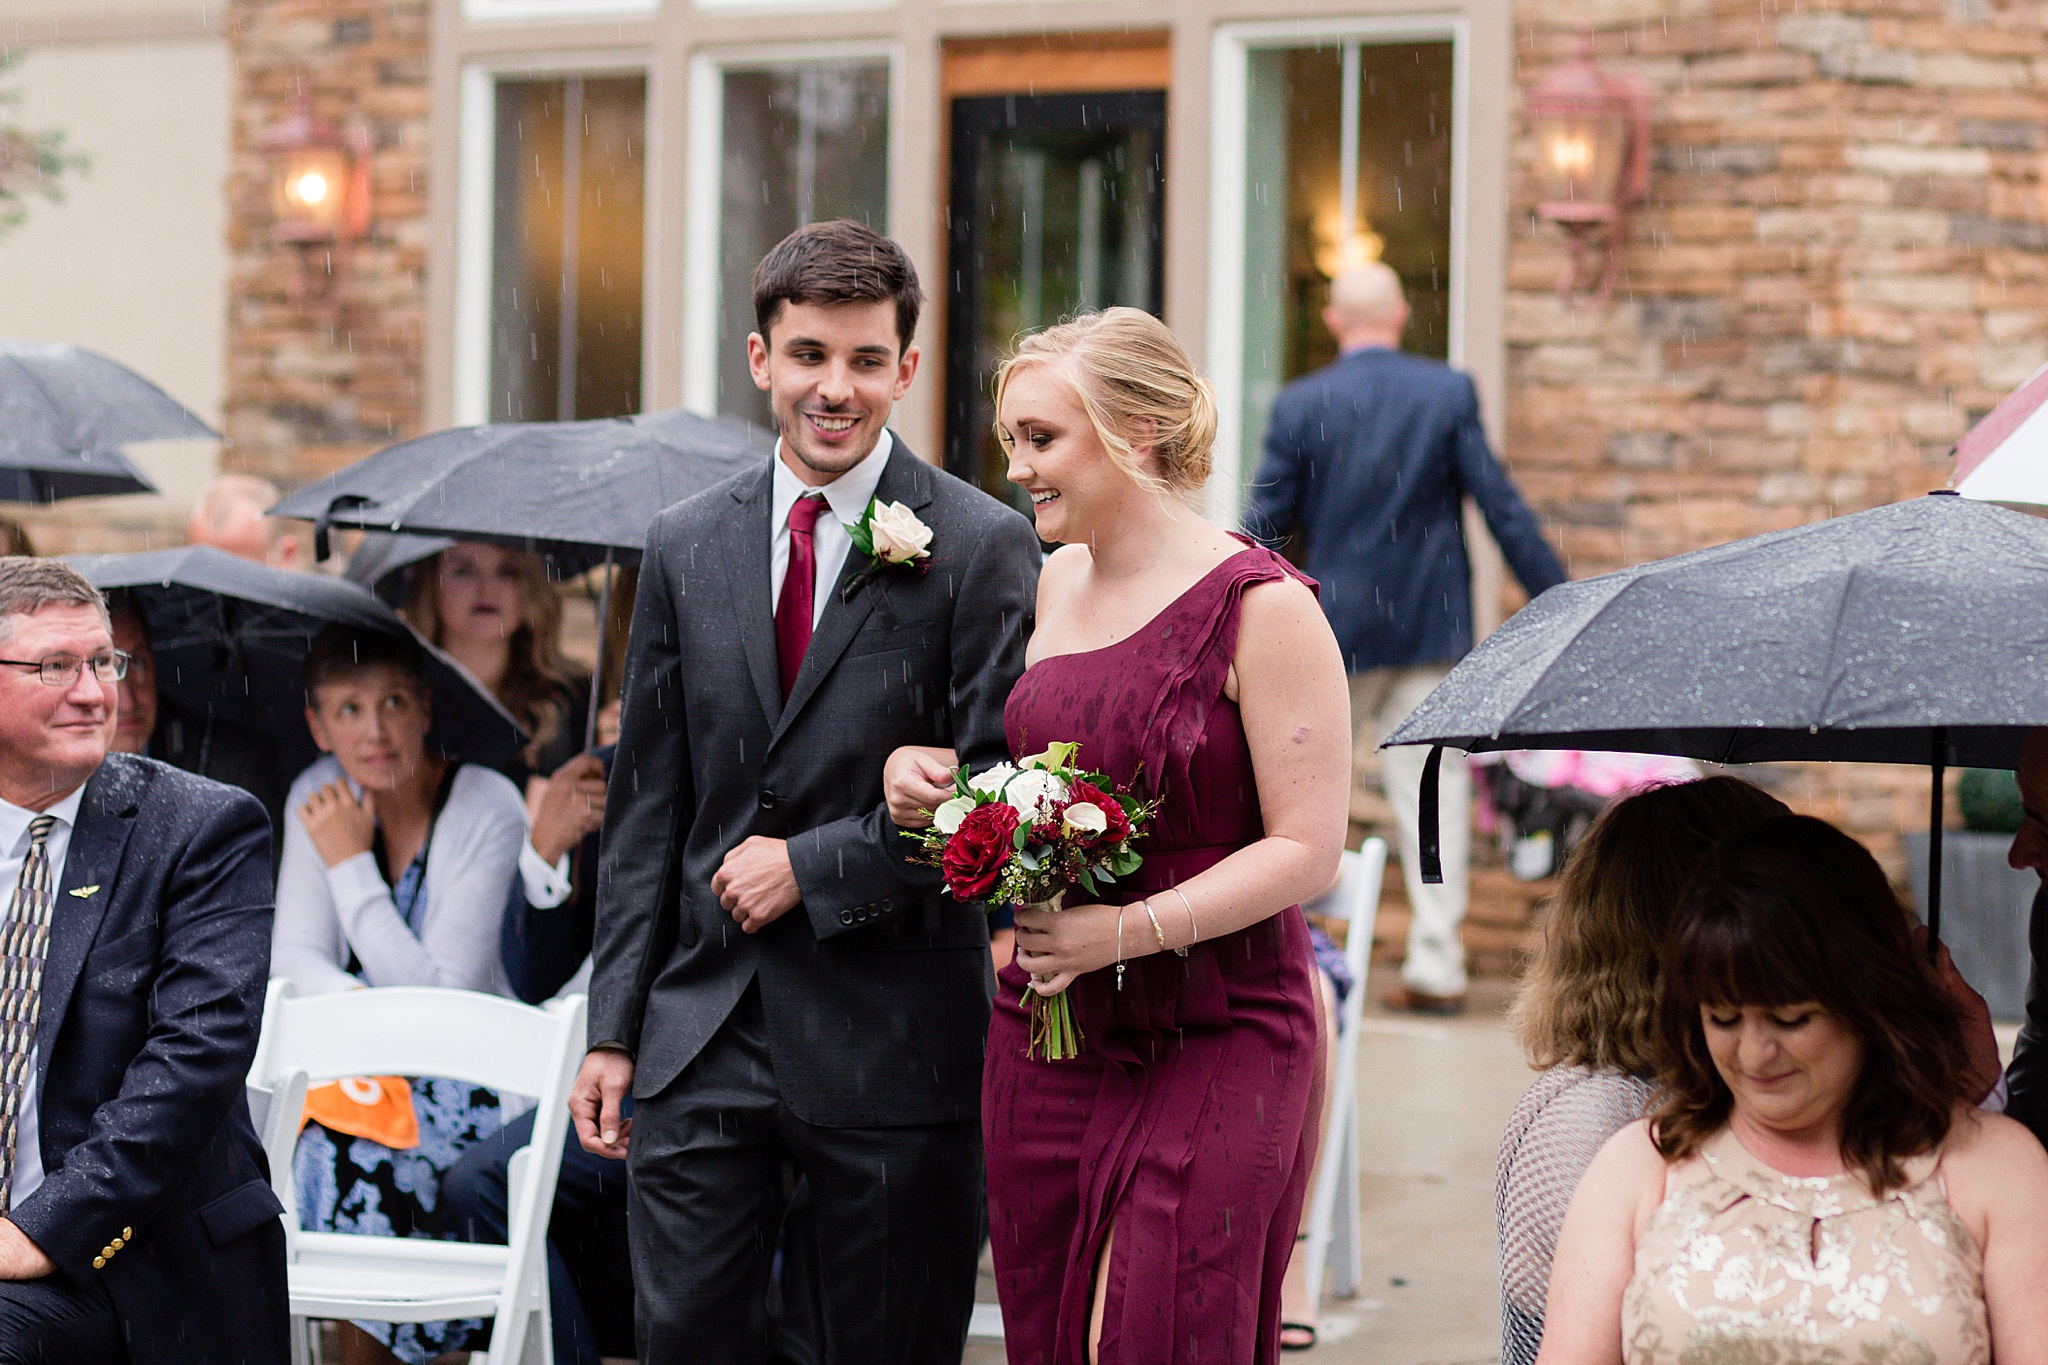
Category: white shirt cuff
[546,887]
[1995,1102]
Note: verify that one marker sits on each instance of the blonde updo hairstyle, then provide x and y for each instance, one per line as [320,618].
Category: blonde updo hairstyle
[1138,387]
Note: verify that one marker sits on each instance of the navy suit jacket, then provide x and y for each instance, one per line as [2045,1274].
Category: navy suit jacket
[152,1000]
[1369,459]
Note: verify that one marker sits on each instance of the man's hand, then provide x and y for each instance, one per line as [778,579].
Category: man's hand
[339,825]
[916,781]
[21,1259]
[756,884]
[594,1101]
[571,807]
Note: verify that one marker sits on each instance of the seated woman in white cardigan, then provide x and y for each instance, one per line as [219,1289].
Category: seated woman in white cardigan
[395,872]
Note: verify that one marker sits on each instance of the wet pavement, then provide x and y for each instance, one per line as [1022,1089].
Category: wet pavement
[1434,1096]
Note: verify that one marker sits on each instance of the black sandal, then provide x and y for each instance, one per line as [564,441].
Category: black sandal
[1287,1327]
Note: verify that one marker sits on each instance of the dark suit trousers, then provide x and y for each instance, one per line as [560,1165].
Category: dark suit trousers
[51,1322]
[894,1212]
[2028,1075]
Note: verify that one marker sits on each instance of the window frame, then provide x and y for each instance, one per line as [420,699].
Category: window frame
[476,194]
[704,188]
[1230,53]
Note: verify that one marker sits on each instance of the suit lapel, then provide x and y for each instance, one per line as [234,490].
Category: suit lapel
[746,536]
[905,479]
[105,817]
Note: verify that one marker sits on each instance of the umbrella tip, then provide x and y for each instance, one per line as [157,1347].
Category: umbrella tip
[1943,493]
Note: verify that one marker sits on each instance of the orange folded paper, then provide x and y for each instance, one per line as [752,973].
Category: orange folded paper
[375,1107]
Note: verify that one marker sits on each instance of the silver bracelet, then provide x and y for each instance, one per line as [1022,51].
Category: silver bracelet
[1120,947]
[1194,933]
[1157,932]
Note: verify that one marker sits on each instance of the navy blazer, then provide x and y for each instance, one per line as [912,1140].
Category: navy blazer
[152,1000]
[1370,459]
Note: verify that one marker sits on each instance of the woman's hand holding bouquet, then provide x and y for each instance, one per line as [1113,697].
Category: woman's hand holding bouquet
[1025,834]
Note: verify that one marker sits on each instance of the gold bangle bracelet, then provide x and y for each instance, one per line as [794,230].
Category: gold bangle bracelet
[1157,932]
[1194,931]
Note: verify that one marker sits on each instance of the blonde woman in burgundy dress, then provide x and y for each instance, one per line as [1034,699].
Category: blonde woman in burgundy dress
[1144,1195]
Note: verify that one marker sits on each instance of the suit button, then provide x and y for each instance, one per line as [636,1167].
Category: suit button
[887,905]
[846,916]
[106,1251]
[99,1263]
[127,1234]
[118,1243]
[767,799]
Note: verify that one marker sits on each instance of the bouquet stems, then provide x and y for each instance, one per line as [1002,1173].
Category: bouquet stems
[1054,1035]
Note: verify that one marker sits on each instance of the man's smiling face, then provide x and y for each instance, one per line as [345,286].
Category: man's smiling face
[832,372]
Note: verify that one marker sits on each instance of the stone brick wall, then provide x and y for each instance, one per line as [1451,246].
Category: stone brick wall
[1841,267]
[310,389]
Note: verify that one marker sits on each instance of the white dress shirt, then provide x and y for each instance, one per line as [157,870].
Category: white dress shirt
[846,497]
[14,823]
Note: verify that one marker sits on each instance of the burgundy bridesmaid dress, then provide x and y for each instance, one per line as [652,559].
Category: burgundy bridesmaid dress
[1184,1120]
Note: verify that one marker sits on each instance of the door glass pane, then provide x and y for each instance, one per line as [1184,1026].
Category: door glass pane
[568,237]
[1296,237]
[1057,203]
[802,144]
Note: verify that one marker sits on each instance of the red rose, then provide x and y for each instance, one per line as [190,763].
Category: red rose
[1112,810]
[976,853]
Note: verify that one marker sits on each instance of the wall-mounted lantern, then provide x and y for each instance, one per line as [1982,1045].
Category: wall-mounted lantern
[1592,132]
[319,191]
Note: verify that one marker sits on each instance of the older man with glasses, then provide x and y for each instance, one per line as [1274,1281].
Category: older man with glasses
[136,1222]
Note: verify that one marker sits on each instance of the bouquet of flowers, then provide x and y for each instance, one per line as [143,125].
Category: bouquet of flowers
[1025,833]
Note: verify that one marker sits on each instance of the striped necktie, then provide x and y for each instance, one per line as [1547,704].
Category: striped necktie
[23,939]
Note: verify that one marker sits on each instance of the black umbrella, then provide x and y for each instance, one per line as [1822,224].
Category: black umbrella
[230,638]
[380,562]
[1913,633]
[580,494]
[65,413]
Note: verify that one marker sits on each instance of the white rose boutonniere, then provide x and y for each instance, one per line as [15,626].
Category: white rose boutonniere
[889,534]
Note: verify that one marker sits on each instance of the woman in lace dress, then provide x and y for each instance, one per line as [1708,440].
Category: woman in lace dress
[1813,1186]
[1586,1015]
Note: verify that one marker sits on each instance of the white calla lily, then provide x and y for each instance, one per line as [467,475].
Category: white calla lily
[948,816]
[1085,817]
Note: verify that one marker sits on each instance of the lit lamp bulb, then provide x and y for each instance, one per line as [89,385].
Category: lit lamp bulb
[1572,155]
[310,189]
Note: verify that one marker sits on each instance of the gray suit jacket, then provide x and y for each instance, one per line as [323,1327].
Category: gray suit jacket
[876,988]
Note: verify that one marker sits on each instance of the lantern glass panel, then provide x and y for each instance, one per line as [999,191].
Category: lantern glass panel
[308,188]
[1579,158]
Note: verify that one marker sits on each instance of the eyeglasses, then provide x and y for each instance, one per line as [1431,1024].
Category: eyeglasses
[61,670]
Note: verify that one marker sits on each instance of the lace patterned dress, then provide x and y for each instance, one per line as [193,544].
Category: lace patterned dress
[1553,1135]
[1184,1119]
[1745,1266]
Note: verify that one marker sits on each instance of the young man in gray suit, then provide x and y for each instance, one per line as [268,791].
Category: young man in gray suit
[779,990]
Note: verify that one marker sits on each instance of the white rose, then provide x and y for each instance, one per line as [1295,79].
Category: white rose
[899,536]
[1032,790]
[947,817]
[991,781]
[1086,817]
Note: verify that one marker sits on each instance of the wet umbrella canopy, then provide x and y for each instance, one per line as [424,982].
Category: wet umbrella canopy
[64,416]
[1914,633]
[230,637]
[578,492]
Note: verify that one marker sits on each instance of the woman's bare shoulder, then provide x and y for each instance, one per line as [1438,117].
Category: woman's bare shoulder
[1993,1148]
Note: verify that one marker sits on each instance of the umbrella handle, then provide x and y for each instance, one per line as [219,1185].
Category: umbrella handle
[1429,818]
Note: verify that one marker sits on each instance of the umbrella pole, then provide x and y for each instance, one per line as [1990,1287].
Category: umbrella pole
[1934,817]
[604,620]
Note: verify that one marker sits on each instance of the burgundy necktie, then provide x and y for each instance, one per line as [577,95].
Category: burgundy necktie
[799,590]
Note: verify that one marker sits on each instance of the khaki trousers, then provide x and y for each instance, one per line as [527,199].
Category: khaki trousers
[1381,699]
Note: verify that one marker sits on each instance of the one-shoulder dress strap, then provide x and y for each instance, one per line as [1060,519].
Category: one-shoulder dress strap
[1194,657]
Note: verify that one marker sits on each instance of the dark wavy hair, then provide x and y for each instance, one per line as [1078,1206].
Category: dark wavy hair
[1789,911]
[1589,997]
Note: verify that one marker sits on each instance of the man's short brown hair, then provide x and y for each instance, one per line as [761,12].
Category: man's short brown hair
[27,585]
[836,262]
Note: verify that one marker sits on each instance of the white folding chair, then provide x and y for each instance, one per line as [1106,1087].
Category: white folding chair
[1333,1231]
[466,1036]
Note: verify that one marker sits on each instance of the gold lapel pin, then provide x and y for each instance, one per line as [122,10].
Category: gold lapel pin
[84,892]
